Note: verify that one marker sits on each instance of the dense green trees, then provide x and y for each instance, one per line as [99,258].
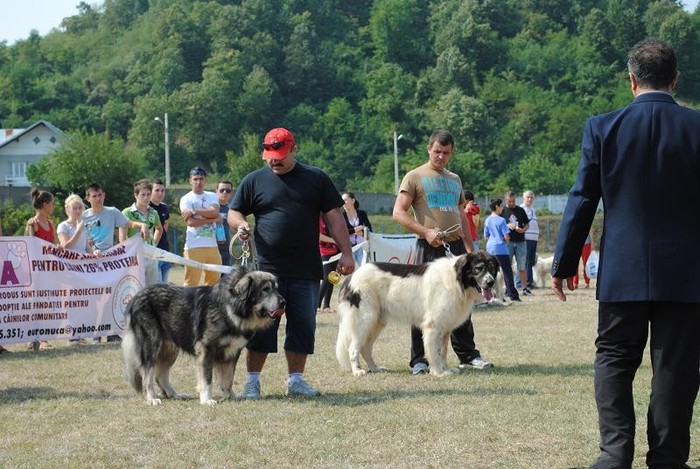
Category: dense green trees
[514,80]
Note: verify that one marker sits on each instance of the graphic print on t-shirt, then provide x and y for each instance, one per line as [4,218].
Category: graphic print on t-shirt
[442,193]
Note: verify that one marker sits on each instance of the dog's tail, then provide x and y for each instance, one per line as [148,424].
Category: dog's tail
[342,345]
[132,362]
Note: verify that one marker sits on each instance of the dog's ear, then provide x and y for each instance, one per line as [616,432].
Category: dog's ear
[463,269]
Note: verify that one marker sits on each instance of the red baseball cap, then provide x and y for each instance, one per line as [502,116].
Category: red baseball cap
[277,144]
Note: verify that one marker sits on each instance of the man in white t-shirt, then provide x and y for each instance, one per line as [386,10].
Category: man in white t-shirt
[200,210]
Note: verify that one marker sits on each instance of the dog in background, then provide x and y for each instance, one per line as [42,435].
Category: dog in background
[436,296]
[212,323]
[542,270]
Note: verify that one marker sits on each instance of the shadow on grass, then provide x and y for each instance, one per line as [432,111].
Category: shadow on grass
[45,393]
[531,370]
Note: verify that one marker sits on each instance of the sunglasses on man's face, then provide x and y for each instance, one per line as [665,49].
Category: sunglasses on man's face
[225,191]
[274,145]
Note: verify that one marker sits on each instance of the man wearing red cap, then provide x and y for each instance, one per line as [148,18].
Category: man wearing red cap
[286,197]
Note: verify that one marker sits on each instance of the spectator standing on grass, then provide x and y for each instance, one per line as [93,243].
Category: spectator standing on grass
[200,210]
[496,234]
[588,247]
[436,197]
[532,235]
[73,235]
[286,197]
[472,211]
[637,159]
[101,221]
[157,196]
[141,211]
[328,249]
[224,191]
[517,223]
[40,226]
[357,221]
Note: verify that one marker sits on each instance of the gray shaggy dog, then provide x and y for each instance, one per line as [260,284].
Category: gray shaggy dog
[211,323]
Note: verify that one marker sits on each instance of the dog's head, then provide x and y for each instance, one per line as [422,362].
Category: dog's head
[256,293]
[477,270]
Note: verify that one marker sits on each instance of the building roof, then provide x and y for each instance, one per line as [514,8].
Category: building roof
[47,124]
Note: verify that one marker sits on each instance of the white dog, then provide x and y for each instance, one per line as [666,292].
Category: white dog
[542,270]
[436,296]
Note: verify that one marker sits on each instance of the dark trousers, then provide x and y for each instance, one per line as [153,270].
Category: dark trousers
[530,260]
[326,290]
[675,359]
[507,271]
[462,338]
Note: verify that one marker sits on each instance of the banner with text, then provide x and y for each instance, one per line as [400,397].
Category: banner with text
[47,292]
[399,249]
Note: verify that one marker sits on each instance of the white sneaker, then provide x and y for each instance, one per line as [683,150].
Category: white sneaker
[302,388]
[477,363]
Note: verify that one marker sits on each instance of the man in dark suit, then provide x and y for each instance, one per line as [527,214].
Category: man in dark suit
[644,162]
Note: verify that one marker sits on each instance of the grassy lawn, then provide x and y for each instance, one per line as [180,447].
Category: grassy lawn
[70,407]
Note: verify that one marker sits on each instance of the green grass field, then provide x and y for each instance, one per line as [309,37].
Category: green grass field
[70,406]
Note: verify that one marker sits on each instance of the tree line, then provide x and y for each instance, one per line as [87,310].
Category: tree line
[513,80]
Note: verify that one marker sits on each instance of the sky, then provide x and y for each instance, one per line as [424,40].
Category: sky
[19,17]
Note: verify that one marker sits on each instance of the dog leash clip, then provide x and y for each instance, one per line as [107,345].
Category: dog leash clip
[448,251]
[245,253]
[334,277]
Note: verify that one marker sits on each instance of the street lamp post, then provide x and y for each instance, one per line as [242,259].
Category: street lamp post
[167,148]
[396,162]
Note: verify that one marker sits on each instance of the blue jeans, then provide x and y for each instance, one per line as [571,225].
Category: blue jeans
[530,259]
[164,268]
[300,334]
[518,250]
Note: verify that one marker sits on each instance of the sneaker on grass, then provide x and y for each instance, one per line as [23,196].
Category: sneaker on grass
[301,388]
[420,368]
[477,363]
[251,391]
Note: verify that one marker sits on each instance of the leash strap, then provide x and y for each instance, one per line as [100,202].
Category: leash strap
[442,234]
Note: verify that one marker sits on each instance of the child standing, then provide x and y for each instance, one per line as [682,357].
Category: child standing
[496,234]
[141,211]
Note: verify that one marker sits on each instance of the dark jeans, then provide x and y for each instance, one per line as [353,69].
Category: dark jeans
[530,260]
[507,271]
[225,254]
[164,269]
[462,338]
[675,359]
[326,289]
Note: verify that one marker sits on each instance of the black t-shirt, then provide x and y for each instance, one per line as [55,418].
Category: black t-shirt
[516,214]
[164,215]
[286,210]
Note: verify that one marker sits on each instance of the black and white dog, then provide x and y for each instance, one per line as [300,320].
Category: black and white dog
[436,296]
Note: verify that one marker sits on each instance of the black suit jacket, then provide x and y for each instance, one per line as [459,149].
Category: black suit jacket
[644,162]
